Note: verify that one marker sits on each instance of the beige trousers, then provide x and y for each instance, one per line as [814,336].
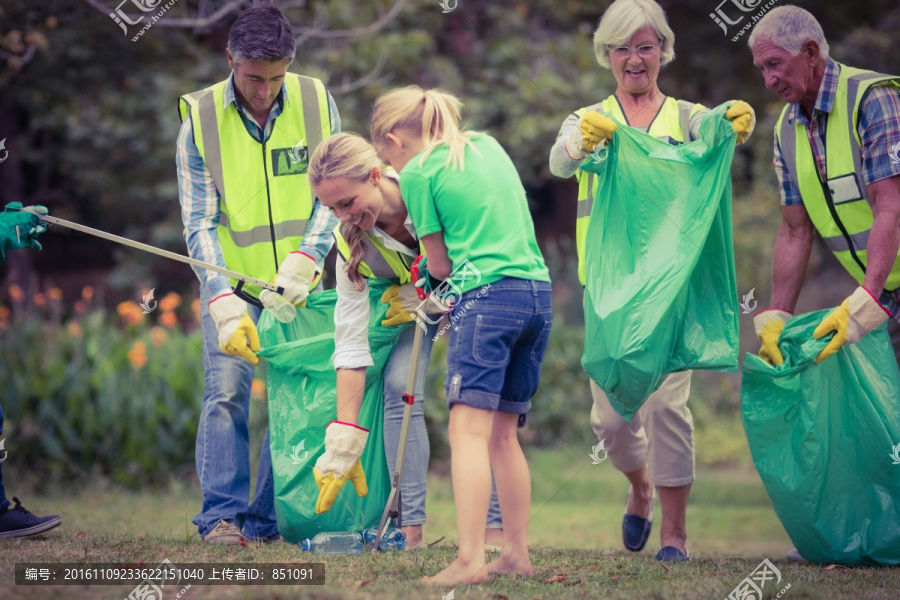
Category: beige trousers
[661,433]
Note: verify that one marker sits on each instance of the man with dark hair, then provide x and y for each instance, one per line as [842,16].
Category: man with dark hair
[242,155]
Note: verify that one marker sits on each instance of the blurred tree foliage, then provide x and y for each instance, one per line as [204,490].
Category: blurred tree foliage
[90,119]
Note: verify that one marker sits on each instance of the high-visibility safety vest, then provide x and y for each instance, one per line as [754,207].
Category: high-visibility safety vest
[672,124]
[380,262]
[264,194]
[838,206]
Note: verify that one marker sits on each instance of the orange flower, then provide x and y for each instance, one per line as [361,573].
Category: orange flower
[55,293]
[170,302]
[130,311]
[74,329]
[79,307]
[15,293]
[258,388]
[40,300]
[195,306]
[87,292]
[168,319]
[158,335]
[137,356]
[4,317]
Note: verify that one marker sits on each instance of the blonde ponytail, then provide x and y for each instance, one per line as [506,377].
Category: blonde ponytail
[346,155]
[433,114]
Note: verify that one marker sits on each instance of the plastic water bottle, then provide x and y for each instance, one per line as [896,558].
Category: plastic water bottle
[278,305]
[337,543]
[393,539]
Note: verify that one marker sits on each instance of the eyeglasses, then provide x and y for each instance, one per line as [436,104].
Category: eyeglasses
[625,51]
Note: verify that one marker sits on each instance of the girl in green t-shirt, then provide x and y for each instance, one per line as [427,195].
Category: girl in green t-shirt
[463,194]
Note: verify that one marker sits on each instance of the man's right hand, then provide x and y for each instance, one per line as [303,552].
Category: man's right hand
[769,324]
[296,275]
[237,332]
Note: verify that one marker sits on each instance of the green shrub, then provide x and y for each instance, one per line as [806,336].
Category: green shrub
[100,395]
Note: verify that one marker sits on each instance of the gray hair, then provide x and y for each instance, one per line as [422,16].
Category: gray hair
[789,27]
[623,18]
[262,33]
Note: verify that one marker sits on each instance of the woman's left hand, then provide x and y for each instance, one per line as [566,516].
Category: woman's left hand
[596,129]
[743,120]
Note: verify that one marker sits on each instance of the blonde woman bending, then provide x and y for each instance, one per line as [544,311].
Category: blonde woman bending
[375,240]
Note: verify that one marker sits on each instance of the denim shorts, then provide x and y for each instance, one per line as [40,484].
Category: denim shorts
[498,336]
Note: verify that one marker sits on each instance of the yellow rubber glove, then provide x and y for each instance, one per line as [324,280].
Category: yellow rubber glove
[743,120]
[330,486]
[595,129]
[858,315]
[404,302]
[244,341]
[344,445]
[237,332]
[769,324]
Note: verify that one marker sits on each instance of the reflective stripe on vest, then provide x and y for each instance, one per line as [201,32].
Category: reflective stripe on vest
[264,194]
[379,261]
[839,206]
[672,124]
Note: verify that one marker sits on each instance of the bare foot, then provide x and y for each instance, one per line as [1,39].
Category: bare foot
[503,565]
[457,573]
[640,501]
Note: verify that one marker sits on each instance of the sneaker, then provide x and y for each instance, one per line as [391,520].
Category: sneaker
[18,522]
[225,532]
[422,545]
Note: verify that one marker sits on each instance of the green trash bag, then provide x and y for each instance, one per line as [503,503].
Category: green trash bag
[661,291]
[823,440]
[303,400]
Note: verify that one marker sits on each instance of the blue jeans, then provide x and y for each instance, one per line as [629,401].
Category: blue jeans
[3,501]
[415,464]
[223,441]
[497,342]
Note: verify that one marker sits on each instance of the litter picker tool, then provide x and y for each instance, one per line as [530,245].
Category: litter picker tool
[271,296]
[393,508]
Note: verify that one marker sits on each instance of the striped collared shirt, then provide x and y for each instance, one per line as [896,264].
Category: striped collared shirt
[879,131]
[200,199]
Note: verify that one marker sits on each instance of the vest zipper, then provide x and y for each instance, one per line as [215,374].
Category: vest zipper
[829,202]
[269,204]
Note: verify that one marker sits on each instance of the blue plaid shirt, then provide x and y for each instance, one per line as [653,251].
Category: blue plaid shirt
[200,199]
[879,130]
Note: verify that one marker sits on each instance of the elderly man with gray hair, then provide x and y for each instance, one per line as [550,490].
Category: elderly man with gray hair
[836,147]
[246,203]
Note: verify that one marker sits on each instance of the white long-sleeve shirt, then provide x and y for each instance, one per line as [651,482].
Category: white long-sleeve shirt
[351,314]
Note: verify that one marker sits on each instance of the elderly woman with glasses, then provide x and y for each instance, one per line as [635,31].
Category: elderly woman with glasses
[656,449]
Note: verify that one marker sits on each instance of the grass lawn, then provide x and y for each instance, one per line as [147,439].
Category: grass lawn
[574,534]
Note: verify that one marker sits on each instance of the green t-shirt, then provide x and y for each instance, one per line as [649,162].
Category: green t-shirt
[481,210]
